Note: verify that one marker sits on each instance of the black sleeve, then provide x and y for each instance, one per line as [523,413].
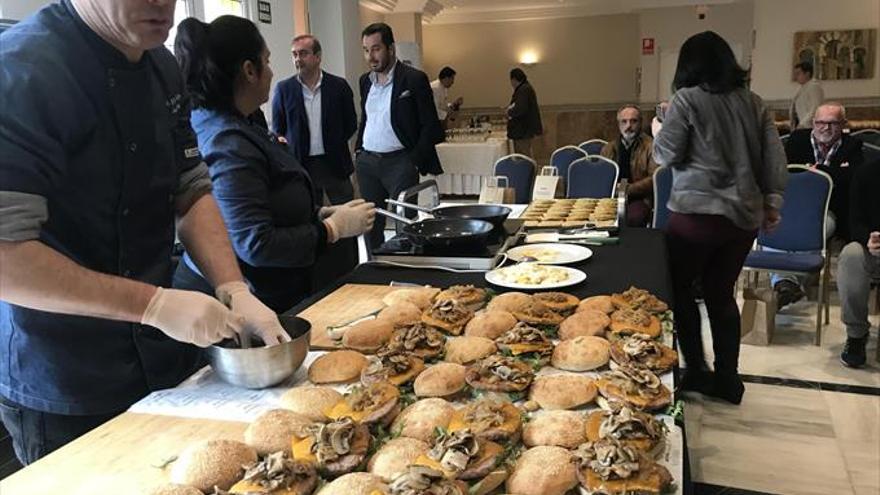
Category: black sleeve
[430,131]
[279,116]
[349,114]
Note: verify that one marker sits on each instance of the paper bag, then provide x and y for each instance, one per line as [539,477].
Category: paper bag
[495,190]
[758,320]
[545,184]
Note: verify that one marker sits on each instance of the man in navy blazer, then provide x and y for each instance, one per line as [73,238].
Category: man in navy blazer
[399,125]
[314,111]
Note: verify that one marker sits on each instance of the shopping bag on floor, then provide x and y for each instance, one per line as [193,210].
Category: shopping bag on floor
[496,190]
[545,184]
[758,322]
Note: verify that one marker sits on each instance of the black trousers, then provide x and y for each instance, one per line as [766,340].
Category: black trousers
[338,189]
[36,434]
[383,176]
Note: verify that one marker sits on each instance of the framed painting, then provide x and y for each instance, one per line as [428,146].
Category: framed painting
[838,54]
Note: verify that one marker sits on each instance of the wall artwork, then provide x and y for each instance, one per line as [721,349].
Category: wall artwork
[837,54]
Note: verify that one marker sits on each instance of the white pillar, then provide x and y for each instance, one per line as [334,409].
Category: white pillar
[337,24]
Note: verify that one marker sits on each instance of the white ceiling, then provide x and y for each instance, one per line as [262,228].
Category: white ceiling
[463,11]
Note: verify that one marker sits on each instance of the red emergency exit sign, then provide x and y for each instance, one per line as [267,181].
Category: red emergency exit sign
[647,46]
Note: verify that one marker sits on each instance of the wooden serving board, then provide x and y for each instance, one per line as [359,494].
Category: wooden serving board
[349,302]
[123,455]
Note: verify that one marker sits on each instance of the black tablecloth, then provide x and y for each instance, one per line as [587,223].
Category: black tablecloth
[639,259]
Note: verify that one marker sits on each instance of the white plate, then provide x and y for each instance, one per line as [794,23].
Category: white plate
[573,277]
[563,253]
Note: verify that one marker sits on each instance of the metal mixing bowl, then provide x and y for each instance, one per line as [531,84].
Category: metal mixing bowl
[261,367]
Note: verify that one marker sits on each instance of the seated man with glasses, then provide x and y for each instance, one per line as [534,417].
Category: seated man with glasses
[828,149]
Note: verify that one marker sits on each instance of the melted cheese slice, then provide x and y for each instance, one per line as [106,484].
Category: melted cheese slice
[424,460]
[302,449]
[517,349]
[342,409]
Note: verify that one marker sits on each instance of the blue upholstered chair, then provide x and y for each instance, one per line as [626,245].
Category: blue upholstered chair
[662,191]
[593,146]
[592,177]
[870,136]
[800,234]
[562,158]
[520,172]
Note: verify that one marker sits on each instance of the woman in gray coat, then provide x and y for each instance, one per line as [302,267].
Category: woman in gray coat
[729,172]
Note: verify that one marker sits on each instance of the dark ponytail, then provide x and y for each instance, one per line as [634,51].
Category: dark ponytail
[211,56]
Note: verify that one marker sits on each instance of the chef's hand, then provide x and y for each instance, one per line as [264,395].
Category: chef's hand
[351,219]
[326,211]
[874,243]
[772,217]
[258,318]
[191,317]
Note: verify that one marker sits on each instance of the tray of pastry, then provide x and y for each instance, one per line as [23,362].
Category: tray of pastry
[571,213]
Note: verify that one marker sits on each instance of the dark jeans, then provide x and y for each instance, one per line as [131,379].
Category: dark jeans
[338,189]
[383,176]
[35,434]
[709,248]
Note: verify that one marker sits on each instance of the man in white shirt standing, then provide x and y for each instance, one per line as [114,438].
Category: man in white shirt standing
[399,125]
[314,112]
[446,111]
[807,99]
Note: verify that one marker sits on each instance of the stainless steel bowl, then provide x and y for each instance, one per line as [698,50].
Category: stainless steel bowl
[261,367]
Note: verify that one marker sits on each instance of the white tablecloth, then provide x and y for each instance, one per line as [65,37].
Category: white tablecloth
[465,164]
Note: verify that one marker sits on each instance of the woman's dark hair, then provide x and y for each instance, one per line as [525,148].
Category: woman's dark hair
[446,72]
[706,60]
[518,74]
[805,67]
[380,27]
[211,56]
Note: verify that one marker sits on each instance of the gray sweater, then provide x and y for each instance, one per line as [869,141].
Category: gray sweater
[725,155]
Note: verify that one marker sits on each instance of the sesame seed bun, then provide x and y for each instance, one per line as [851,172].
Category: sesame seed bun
[273,430]
[310,402]
[422,297]
[369,335]
[401,313]
[563,391]
[440,380]
[543,471]
[204,465]
[465,350]
[509,301]
[337,367]
[560,428]
[587,322]
[490,324]
[393,457]
[174,489]
[355,484]
[581,354]
[420,418]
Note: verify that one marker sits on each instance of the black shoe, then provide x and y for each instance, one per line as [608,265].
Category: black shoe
[697,380]
[853,355]
[728,387]
[787,292]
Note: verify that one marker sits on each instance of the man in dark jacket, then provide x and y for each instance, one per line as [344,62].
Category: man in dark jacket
[399,125]
[826,147]
[314,112]
[523,114]
[859,262]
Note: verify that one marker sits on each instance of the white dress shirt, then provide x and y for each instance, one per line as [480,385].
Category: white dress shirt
[441,94]
[379,136]
[312,102]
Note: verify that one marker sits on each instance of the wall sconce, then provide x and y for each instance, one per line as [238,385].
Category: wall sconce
[528,57]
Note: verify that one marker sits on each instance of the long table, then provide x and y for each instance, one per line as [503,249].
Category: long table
[121,456]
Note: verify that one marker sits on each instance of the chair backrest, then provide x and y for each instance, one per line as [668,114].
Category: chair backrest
[593,146]
[869,136]
[520,172]
[871,154]
[562,158]
[806,198]
[784,138]
[662,190]
[592,177]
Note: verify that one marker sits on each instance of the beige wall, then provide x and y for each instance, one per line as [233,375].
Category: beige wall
[581,60]
[670,27]
[776,22]
[369,16]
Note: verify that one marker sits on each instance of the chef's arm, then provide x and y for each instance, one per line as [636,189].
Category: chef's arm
[35,276]
[203,233]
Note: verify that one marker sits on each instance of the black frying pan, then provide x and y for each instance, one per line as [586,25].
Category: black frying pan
[463,233]
[494,214]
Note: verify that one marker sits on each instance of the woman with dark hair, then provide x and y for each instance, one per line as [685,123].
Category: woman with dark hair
[523,113]
[265,196]
[728,176]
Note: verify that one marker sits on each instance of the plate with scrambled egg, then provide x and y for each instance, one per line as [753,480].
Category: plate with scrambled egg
[535,276]
[550,253]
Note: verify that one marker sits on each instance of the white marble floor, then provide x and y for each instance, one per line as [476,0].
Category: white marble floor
[794,437]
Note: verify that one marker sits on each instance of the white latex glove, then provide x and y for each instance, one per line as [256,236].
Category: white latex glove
[191,317]
[326,211]
[350,220]
[258,318]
